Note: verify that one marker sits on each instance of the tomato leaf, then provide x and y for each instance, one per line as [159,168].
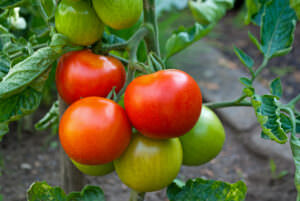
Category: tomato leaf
[51,119]
[182,38]
[47,8]
[295,4]
[276,88]
[3,130]
[4,65]
[246,81]
[42,191]
[88,193]
[200,189]
[277,28]
[210,11]
[269,116]
[252,9]
[245,59]
[25,72]
[5,4]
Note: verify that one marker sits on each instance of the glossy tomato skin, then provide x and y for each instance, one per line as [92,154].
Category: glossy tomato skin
[78,21]
[94,131]
[119,14]
[164,104]
[95,170]
[205,141]
[149,165]
[83,74]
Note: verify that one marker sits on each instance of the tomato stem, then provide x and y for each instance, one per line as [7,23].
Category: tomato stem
[150,17]
[136,196]
[228,104]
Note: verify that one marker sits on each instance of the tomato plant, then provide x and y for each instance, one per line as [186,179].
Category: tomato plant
[78,21]
[119,14]
[160,102]
[205,140]
[149,165]
[82,74]
[94,131]
[157,114]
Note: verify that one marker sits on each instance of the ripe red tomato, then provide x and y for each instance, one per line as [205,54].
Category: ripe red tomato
[164,104]
[205,141]
[94,131]
[149,165]
[82,74]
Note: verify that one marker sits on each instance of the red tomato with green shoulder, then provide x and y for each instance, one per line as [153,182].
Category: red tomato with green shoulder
[149,165]
[94,131]
[82,74]
[205,141]
[164,104]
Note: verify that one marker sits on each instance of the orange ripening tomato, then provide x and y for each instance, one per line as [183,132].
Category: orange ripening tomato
[82,74]
[94,131]
[164,104]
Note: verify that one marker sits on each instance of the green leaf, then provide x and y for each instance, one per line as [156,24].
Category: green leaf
[277,28]
[41,191]
[210,11]
[276,88]
[51,119]
[47,8]
[87,194]
[245,59]
[252,9]
[295,4]
[23,73]
[182,38]
[200,189]
[5,4]
[246,81]
[269,116]
[4,65]
[170,5]
[18,105]
[295,146]
[3,130]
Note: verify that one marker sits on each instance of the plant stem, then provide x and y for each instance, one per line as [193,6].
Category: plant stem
[294,101]
[260,68]
[228,104]
[135,196]
[133,45]
[150,17]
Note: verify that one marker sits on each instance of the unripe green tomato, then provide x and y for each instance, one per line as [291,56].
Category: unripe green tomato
[94,170]
[119,14]
[78,21]
[149,165]
[205,141]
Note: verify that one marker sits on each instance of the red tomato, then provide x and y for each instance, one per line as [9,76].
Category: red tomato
[164,104]
[94,131]
[82,74]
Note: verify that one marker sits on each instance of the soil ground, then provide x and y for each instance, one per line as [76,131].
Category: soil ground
[31,158]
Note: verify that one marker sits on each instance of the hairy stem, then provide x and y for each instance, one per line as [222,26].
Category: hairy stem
[150,17]
[228,104]
[260,68]
[294,101]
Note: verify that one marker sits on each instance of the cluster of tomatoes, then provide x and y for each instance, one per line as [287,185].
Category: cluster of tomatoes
[150,133]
